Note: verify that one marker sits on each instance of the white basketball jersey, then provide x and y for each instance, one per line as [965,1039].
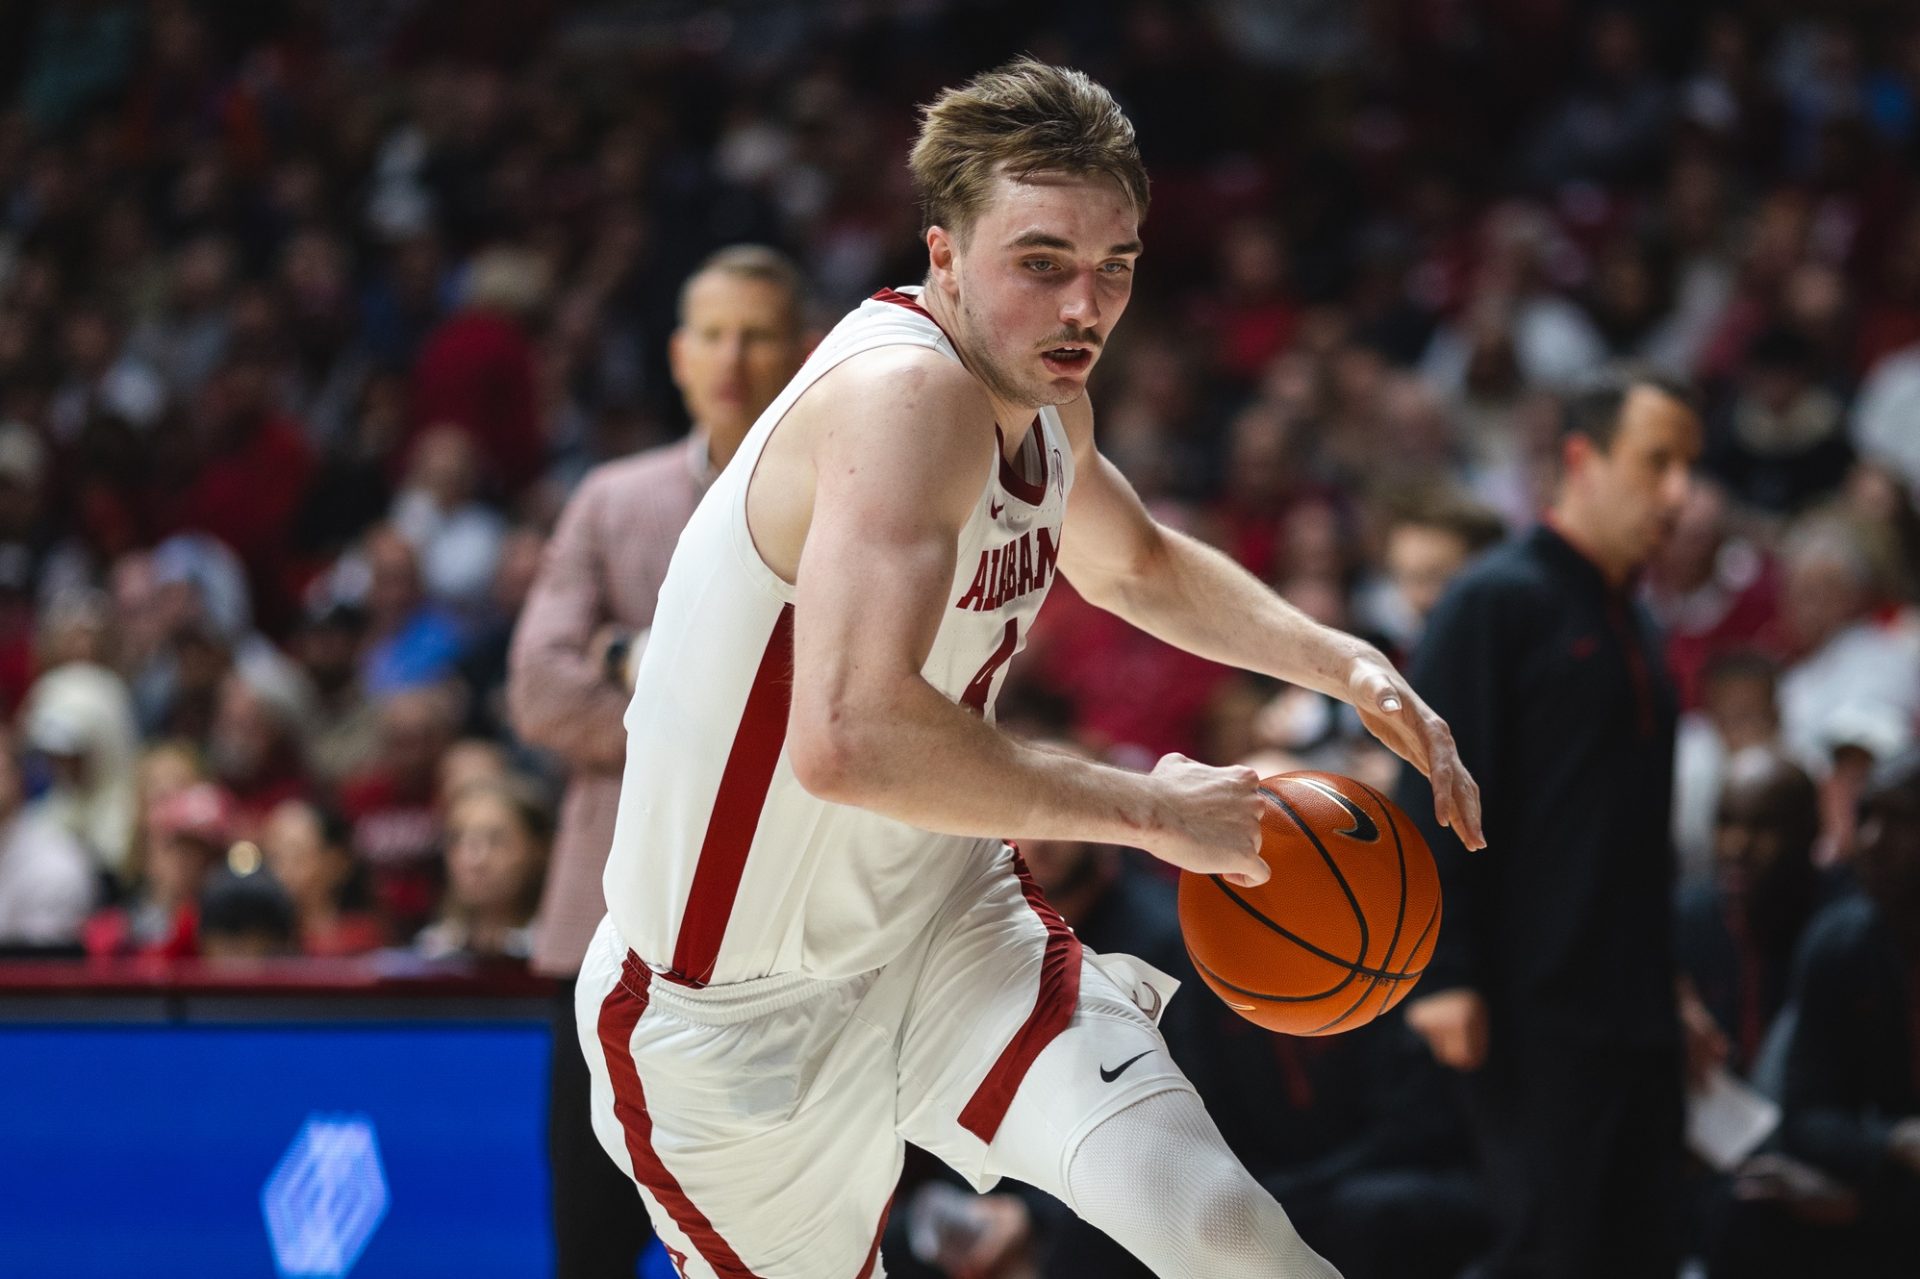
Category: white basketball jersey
[723,867]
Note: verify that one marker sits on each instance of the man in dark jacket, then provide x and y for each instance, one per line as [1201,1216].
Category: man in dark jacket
[1552,986]
[1852,1090]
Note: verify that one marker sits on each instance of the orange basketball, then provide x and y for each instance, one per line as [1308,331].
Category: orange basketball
[1343,928]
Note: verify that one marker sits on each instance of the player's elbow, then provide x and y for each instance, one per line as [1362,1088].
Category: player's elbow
[833,749]
[826,760]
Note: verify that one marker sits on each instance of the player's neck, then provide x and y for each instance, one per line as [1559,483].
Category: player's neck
[1013,418]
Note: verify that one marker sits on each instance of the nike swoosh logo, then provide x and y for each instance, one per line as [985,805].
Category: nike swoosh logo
[994,509]
[1363,828]
[1108,1076]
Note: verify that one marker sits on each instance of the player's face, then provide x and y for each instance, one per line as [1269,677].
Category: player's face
[737,345]
[1641,483]
[1042,277]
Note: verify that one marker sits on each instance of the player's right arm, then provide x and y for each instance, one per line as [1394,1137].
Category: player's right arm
[901,442]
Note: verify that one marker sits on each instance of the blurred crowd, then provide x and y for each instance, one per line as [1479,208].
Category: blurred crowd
[313,313]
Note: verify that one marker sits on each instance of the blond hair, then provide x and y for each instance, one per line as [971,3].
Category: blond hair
[1023,118]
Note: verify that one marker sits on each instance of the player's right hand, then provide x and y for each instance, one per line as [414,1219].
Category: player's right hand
[1454,1024]
[1208,820]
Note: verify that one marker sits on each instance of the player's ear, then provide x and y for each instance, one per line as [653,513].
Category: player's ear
[941,252]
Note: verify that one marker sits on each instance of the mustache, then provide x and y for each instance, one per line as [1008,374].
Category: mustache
[1084,337]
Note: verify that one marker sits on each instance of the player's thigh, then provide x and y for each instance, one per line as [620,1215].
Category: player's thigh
[972,1090]
[1109,1058]
[764,1147]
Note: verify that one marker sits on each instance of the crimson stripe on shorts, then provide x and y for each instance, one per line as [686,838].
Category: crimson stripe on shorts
[736,809]
[1052,1011]
[619,1014]
[873,1253]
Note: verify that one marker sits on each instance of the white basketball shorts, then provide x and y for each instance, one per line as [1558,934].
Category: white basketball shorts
[764,1121]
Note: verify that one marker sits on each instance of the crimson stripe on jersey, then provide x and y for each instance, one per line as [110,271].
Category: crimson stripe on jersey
[1052,1011]
[873,1253]
[1011,480]
[736,809]
[621,1012]
[912,304]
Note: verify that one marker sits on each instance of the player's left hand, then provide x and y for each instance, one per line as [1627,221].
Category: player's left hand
[1394,713]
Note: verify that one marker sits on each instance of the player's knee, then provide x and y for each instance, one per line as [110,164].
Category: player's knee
[1231,1205]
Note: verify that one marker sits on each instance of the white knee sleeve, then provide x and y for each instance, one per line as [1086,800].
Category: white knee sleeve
[1159,1179]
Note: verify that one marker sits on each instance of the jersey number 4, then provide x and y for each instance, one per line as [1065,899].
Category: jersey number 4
[981,685]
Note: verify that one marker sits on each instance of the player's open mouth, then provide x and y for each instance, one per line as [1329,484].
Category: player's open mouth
[1067,360]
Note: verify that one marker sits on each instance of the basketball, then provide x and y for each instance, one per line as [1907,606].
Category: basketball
[1342,929]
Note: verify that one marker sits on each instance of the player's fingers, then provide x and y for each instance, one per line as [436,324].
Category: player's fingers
[1467,804]
[1250,874]
[1441,780]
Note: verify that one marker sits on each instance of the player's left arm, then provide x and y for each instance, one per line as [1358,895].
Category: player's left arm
[1181,590]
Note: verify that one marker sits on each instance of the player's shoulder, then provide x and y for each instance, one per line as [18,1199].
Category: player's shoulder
[903,372]
[882,396]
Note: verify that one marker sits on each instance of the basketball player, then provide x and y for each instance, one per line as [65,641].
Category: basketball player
[817,947]
[738,340]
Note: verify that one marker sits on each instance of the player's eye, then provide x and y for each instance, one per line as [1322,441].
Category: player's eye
[1041,266]
[1117,267]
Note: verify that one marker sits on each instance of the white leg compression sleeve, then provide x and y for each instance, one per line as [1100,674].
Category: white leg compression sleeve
[1159,1178]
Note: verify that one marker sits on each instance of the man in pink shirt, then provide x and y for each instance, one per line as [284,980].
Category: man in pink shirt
[580,635]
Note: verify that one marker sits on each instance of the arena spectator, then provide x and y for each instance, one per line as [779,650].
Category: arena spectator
[1739,711]
[80,719]
[393,806]
[1781,442]
[1736,935]
[1711,589]
[468,761]
[477,370]
[255,750]
[187,835]
[1851,661]
[49,883]
[456,537]
[184,336]
[1429,538]
[342,730]
[245,917]
[252,466]
[1885,411]
[308,851]
[498,838]
[1852,1087]
[410,640]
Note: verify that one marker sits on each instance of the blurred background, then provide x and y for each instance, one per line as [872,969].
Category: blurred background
[314,313]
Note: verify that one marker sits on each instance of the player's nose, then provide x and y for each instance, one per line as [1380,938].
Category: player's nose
[1080,305]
